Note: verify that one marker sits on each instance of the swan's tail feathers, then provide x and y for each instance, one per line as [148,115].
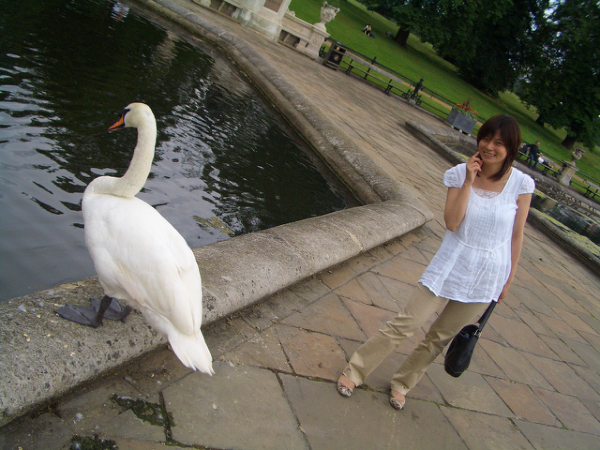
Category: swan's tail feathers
[192,351]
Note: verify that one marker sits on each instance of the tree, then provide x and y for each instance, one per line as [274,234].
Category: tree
[489,42]
[564,82]
[502,43]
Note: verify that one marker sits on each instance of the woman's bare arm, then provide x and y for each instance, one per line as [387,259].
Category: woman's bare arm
[523,203]
[458,198]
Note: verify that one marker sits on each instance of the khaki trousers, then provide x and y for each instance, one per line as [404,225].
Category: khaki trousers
[421,306]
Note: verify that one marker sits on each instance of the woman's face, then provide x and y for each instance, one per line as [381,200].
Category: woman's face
[492,149]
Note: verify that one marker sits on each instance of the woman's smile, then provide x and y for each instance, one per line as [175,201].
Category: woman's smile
[492,149]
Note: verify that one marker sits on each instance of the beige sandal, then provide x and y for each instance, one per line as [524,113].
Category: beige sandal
[344,390]
[397,404]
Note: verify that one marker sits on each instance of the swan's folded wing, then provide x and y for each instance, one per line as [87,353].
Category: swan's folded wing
[138,253]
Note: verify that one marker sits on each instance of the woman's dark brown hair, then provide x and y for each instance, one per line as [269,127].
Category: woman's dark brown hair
[510,134]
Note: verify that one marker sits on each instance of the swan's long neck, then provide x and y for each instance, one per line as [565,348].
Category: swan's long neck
[139,168]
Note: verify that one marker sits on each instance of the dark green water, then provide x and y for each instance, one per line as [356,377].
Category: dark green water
[66,69]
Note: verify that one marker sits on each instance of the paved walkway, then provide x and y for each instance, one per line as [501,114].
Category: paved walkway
[534,382]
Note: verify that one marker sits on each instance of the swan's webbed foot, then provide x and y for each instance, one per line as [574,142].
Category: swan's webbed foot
[107,308]
[80,314]
[115,310]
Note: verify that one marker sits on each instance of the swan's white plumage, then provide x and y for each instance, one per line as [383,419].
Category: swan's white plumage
[140,257]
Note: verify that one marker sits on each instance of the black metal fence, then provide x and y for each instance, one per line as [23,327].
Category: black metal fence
[408,80]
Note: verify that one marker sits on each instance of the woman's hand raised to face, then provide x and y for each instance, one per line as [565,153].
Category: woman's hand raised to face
[473,167]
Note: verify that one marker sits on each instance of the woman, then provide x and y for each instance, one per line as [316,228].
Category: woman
[486,208]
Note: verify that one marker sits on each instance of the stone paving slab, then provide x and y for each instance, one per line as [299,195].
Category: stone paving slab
[587,352]
[131,444]
[575,321]
[47,428]
[562,350]
[514,364]
[327,315]
[536,325]
[486,432]
[242,408]
[264,350]
[562,377]
[548,438]
[522,401]
[470,391]
[380,293]
[369,318]
[354,290]
[561,328]
[365,421]
[310,353]
[589,375]
[402,269]
[128,426]
[519,335]
[570,411]
[483,364]
[593,407]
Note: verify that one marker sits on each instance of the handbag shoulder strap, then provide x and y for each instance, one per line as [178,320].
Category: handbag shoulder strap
[485,316]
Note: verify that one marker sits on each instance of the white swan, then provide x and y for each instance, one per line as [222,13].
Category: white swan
[139,256]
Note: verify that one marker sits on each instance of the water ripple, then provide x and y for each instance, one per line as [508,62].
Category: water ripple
[222,156]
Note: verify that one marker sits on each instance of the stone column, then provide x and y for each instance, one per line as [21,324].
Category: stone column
[570,168]
[567,172]
[267,16]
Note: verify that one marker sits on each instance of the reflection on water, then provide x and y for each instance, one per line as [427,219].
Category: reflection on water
[224,164]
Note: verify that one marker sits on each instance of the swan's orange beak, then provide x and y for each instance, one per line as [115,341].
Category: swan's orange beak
[120,124]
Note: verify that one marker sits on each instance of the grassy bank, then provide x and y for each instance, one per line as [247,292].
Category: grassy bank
[420,60]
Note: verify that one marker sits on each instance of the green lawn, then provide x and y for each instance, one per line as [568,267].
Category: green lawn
[420,60]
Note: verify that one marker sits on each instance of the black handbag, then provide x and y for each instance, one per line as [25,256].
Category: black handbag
[460,351]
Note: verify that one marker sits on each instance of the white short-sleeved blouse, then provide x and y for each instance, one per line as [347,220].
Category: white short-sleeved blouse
[474,262]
